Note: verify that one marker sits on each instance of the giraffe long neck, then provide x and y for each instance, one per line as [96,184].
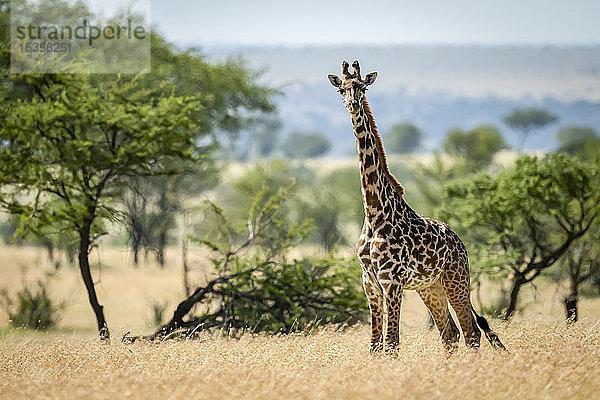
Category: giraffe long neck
[378,185]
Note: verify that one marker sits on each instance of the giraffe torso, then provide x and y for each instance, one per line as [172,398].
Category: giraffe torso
[408,250]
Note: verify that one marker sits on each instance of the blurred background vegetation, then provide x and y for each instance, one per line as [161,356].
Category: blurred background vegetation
[195,158]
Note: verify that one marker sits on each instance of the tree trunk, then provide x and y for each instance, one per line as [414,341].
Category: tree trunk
[517,281]
[186,268]
[84,267]
[50,249]
[135,247]
[160,250]
[571,306]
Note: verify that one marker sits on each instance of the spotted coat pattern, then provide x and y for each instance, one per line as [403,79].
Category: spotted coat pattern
[399,249]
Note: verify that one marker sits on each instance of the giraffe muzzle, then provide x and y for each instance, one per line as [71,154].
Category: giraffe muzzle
[352,106]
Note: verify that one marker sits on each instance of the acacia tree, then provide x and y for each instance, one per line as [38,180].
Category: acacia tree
[528,120]
[69,144]
[526,218]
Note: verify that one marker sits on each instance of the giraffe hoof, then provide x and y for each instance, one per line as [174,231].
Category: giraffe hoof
[391,351]
[375,349]
[450,348]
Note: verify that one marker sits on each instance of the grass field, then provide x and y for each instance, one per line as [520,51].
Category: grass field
[547,360]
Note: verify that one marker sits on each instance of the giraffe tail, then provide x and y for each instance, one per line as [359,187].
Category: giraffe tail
[491,336]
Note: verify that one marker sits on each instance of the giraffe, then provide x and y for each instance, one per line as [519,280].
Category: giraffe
[398,249]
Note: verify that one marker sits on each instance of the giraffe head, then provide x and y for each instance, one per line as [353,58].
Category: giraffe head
[352,87]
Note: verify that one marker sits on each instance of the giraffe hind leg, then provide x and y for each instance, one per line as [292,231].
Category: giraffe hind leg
[435,299]
[459,295]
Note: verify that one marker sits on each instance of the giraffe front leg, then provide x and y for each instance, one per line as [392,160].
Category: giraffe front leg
[375,300]
[375,306]
[393,303]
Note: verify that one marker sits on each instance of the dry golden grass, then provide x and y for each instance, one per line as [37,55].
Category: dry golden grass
[546,361]
[126,291]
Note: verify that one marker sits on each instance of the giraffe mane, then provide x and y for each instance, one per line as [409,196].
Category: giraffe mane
[379,145]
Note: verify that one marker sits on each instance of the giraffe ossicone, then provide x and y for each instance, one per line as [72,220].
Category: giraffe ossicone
[399,249]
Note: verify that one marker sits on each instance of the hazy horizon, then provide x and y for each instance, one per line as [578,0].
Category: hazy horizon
[383,22]
[378,23]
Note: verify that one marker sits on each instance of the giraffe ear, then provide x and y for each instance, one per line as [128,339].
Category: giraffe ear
[370,78]
[335,81]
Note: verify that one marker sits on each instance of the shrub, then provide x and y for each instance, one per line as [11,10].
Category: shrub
[32,308]
[287,296]
[257,288]
[157,312]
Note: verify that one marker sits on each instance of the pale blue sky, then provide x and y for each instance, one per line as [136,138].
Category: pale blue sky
[310,22]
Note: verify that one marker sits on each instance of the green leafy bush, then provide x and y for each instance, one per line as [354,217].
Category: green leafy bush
[288,296]
[257,287]
[32,308]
